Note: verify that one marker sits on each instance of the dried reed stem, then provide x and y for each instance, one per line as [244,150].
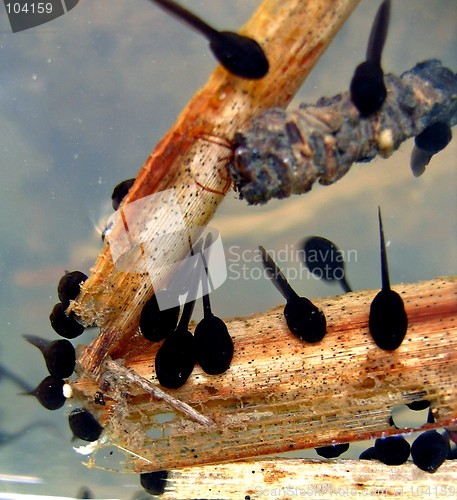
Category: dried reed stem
[292,479]
[191,159]
[281,394]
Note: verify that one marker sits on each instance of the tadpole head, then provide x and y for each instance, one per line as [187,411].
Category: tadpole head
[69,286]
[213,345]
[429,450]
[434,138]
[332,451]
[154,482]
[65,326]
[240,55]
[120,191]
[392,450]
[59,355]
[388,321]
[84,425]
[430,141]
[156,324]
[325,260]
[305,320]
[49,393]
[367,89]
[175,359]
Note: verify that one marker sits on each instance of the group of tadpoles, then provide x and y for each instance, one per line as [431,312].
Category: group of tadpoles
[387,320]
[211,345]
[388,323]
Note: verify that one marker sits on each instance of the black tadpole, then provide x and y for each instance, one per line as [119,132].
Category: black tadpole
[332,451]
[156,323]
[392,450]
[49,393]
[430,450]
[120,191]
[154,482]
[239,54]
[84,425]
[368,90]
[303,318]
[175,358]
[70,285]
[213,343]
[388,321]
[430,141]
[59,355]
[325,260]
[65,326]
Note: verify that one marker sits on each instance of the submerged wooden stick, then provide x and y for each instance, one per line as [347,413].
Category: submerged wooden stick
[292,479]
[191,160]
[281,394]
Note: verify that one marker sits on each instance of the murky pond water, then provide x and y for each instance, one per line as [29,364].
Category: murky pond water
[83,100]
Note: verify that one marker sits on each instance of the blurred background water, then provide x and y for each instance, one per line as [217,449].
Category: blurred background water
[84,99]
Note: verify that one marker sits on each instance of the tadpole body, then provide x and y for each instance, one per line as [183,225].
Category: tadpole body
[325,260]
[430,141]
[392,450]
[175,358]
[69,286]
[65,326]
[84,425]
[332,451]
[120,191]
[303,318]
[156,323]
[154,482]
[429,450]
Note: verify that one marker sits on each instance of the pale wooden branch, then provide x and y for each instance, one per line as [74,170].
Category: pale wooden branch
[191,161]
[281,394]
[292,479]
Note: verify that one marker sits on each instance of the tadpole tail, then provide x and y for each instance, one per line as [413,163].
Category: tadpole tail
[205,277]
[37,341]
[384,267]
[378,34]
[345,285]
[276,276]
[16,379]
[187,17]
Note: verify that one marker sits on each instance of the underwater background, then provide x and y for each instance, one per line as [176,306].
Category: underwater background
[83,101]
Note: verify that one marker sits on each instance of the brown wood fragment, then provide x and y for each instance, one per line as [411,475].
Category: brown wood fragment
[292,479]
[191,159]
[281,394]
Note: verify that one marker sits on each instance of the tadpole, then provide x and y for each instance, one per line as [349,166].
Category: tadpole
[325,260]
[239,54]
[388,321]
[303,318]
[367,89]
[214,345]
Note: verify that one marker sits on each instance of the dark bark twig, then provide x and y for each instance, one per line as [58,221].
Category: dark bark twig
[285,152]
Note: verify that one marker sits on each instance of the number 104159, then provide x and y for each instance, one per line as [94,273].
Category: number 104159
[29,8]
